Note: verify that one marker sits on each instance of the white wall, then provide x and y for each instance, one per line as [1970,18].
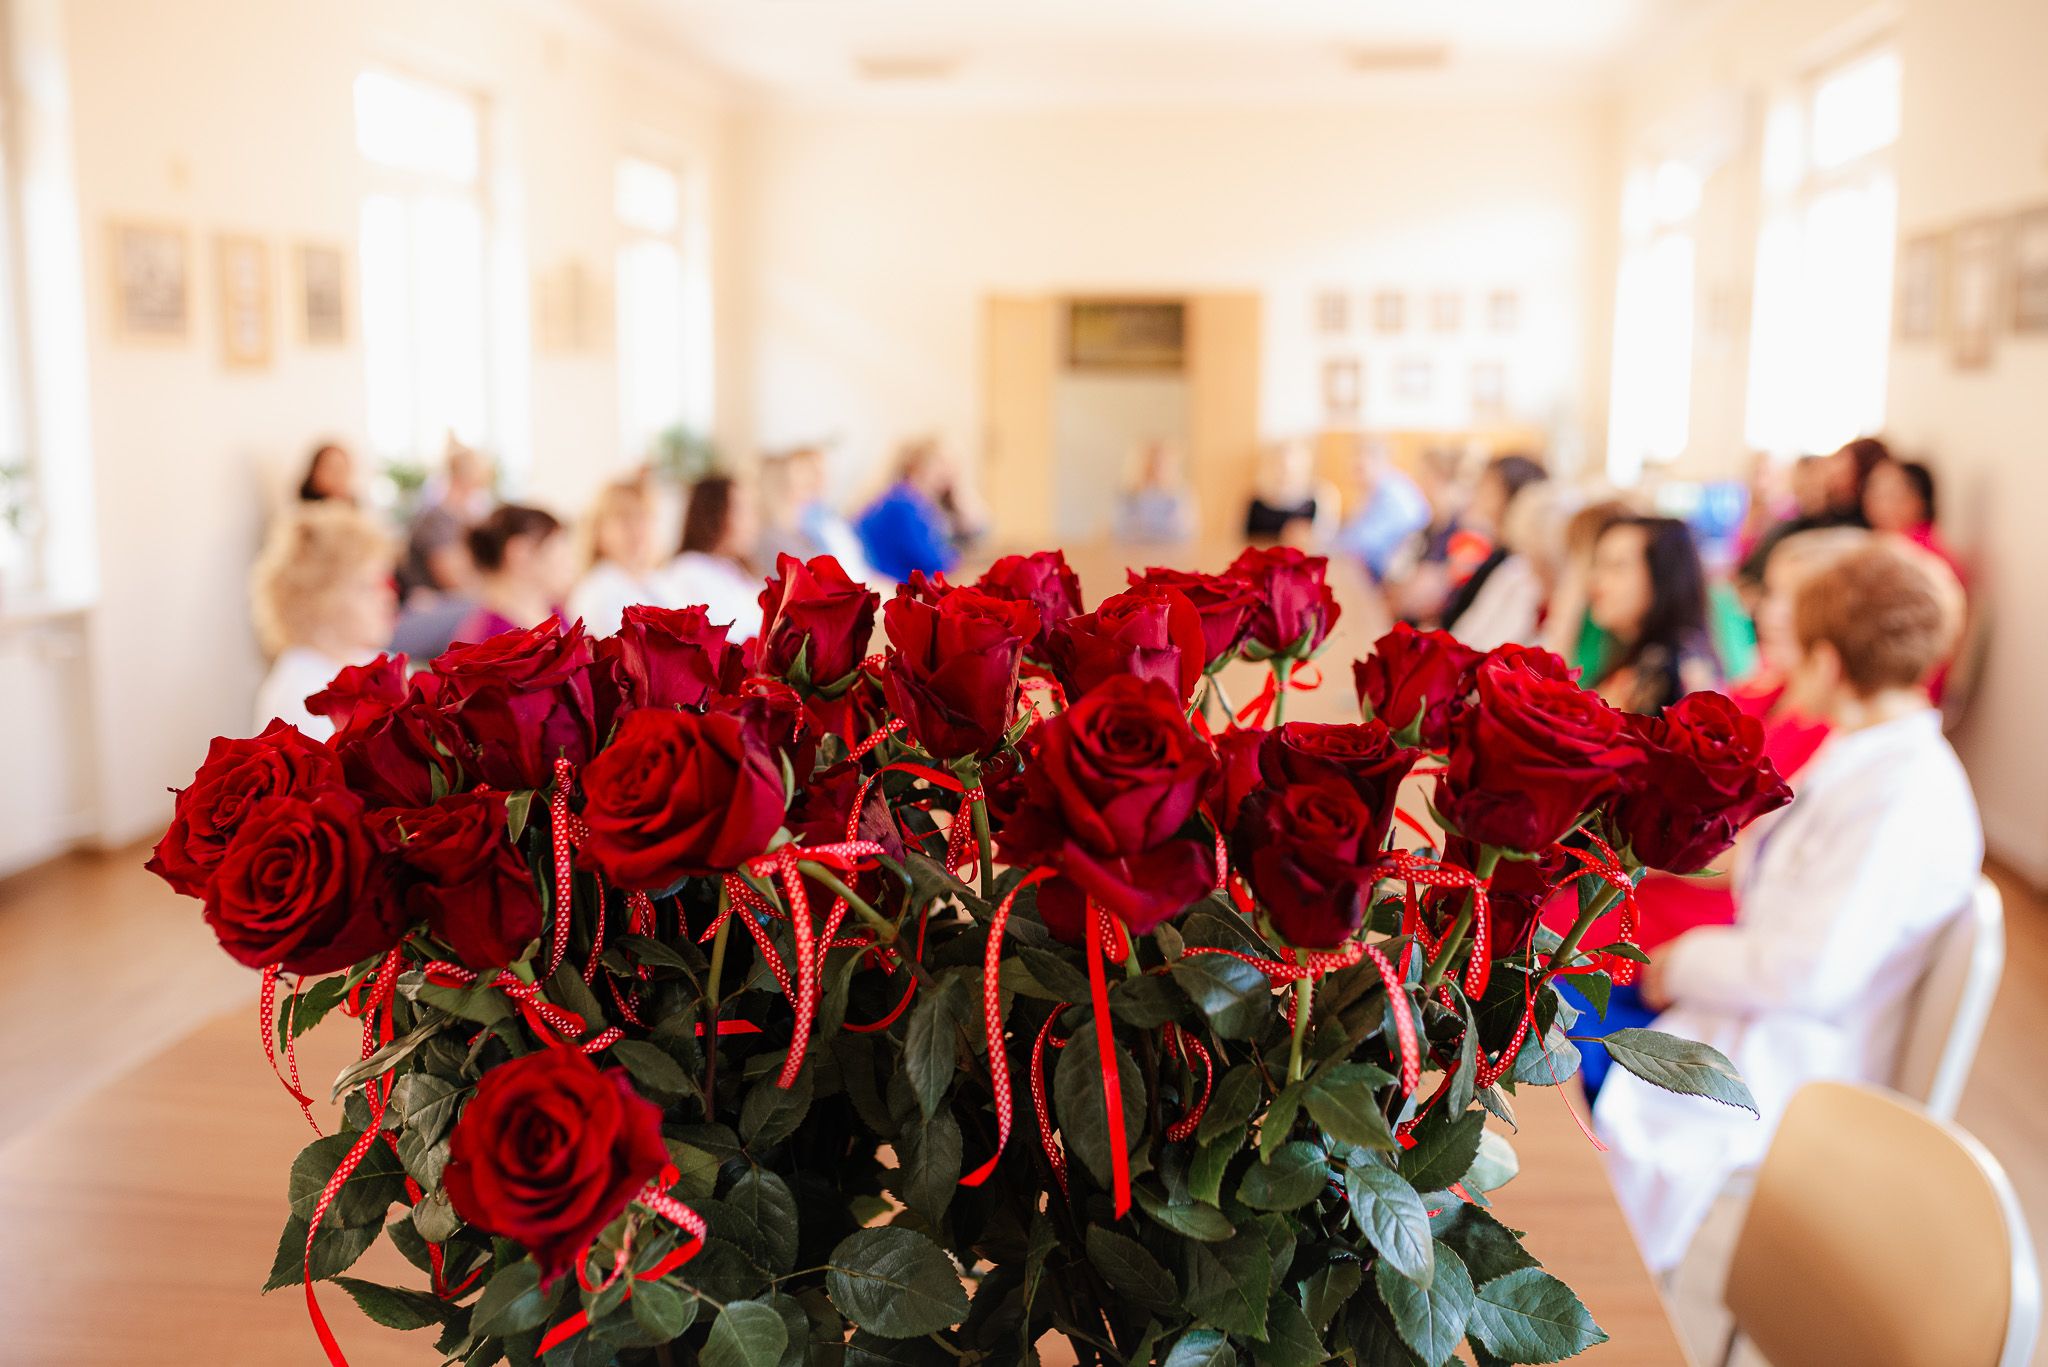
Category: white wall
[237,115]
[872,237]
[1975,143]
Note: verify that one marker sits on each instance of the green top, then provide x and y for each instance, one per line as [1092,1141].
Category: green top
[1734,638]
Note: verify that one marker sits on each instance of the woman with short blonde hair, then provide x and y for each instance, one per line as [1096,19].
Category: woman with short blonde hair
[322,598]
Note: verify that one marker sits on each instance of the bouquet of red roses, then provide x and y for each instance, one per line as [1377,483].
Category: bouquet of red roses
[792,1004]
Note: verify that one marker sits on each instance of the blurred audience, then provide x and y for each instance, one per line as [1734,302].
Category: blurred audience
[1839,898]
[330,475]
[437,558]
[919,522]
[622,567]
[1158,508]
[797,520]
[1899,497]
[1289,502]
[1478,533]
[526,565]
[1648,592]
[713,568]
[1568,627]
[1509,606]
[322,599]
[1827,491]
[1391,510]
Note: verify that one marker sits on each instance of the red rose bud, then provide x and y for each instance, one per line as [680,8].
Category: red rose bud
[1042,579]
[1292,606]
[236,777]
[1530,757]
[1702,778]
[303,885]
[681,794]
[468,881]
[1363,756]
[360,694]
[1413,680]
[1237,772]
[1223,601]
[952,676]
[1309,851]
[522,699]
[1109,802]
[815,623]
[1147,632]
[673,657]
[549,1151]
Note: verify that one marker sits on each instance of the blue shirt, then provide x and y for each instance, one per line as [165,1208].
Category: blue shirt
[903,531]
[1396,511]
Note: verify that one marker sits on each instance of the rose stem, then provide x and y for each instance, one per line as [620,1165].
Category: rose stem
[886,930]
[1488,857]
[711,1007]
[1216,687]
[1279,692]
[1304,1001]
[1569,945]
[988,858]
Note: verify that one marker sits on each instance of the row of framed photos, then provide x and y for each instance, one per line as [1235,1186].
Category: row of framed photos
[153,297]
[1390,312]
[1415,381]
[1967,284]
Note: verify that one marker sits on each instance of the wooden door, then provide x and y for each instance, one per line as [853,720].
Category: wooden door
[1019,363]
[1223,407]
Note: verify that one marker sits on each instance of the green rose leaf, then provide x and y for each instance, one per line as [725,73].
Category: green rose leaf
[334,1251]
[1530,1316]
[378,1180]
[1294,1177]
[1346,1111]
[1429,1319]
[771,1112]
[1680,1065]
[1391,1214]
[895,1282]
[1328,1288]
[657,1074]
[1445,1145]
[1235,1101]
[513,1301]
[746,1334]
[1291,1341]
[661,1310]
[1190,1219]
[1079,1103]
[1234,996]
[1129,1268]
[1228,1283]
[1488,1248]
[395,1308]
[1201,1348]
[930,1045]
[765,1199]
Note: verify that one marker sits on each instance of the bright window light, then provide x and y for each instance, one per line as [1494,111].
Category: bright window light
[647,197]
[409,125]
[664,305]
[1856,110]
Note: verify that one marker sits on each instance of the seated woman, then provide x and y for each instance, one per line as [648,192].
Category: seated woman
[1648,592]
[330,475]
[913,524]
[711,569]
[1158,508]
[525,565]
[1480,526]
[1289,503]
[623,567]
[322,597]
[1898,497]
[797,518]
[1508,609]
[1838,899]
[1390,511]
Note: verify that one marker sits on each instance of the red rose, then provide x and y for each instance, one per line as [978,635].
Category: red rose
[1042,579]
[952,676]
[473,888]
[1363,756]
[1063,908]
[1147,632]
[523,699]
[1237,772]
[1223,601]
[1531,756]
[360,694]
[549,1151]
[1109,800]
[672,657]
[236,777]
[1703,778]
[813,612]
[1547,663]
[1292,606]
[1310,851]
[400,756]
[303,885]
[681,794]
[1413,680]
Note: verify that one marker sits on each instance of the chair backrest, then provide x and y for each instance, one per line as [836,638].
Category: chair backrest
[1946,1017]
[1879,1234]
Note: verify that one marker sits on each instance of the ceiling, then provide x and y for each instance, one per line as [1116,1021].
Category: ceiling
[1085,51]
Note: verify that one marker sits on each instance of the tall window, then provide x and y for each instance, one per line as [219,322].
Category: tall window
[423,269]
[1821,324]
[663,305]
[1651,407]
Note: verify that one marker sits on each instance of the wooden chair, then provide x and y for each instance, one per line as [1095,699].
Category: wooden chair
[1879,1234]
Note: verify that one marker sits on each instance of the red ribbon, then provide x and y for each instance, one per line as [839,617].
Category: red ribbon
[1320,961]
[1055,1156]
[1259,709]
[656,1199]
[266,1019]
[1416,871]
[1611,872]
[992,1023]
[1183,1046]
[1105,941]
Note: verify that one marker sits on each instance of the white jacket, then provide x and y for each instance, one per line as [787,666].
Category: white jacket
[1838,902]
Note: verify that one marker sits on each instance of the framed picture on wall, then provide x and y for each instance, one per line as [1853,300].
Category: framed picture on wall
[150,282]
[1343,389]
[1446,312]
[1126,334]
[1389,311]
[321,273]
[244,266]
[1414,379]
[1333,313]
[1504,311]
[2030,271]
[1977,291]
[1923,277]
[1489,389]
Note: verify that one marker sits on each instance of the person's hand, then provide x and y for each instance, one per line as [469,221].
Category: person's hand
[1653,987]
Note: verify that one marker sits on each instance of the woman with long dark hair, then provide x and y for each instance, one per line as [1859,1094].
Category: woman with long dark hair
[526,565]
[1649,592]
[712,569]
